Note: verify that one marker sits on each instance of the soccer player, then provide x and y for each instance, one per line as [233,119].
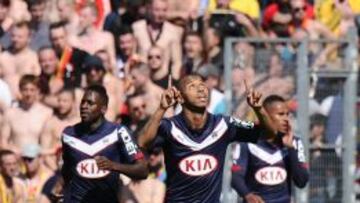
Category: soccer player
[195,141]
[88,147]
[264,171]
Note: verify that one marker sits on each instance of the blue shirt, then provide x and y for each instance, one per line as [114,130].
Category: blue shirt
[84,182]
[268,170]
[194,159]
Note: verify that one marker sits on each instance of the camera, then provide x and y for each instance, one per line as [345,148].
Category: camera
[227,24]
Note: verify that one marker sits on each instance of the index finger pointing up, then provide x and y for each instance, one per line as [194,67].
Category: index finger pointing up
[247,89]
[169,82]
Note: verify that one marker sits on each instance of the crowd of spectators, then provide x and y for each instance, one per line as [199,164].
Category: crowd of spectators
[52,49]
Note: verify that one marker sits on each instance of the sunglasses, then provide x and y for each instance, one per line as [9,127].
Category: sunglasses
[298,9]
[28,159]
[154,56]
[137,108]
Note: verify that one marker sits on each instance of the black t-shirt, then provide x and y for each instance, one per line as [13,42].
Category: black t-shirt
[163,82]
[74,69]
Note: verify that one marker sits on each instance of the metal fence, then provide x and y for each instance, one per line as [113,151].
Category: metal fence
[322,100]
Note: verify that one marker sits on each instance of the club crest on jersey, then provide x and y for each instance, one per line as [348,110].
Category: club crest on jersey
[88,169]
[241,123]
[198,165]
[271,175]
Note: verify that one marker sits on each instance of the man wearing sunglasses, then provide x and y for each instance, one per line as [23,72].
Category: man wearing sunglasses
[36,173]
[138,114]
[301,27]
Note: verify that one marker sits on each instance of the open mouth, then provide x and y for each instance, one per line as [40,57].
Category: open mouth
[203,98]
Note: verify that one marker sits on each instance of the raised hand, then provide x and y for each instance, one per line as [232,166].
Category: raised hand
[170,96]
[253,97]
[104,163]
[252,198]
[288,138]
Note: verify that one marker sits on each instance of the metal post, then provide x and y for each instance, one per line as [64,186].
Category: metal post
[302,96]
[349,120]
[228,62]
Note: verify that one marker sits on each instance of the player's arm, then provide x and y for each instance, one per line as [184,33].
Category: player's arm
[137,170]
[65,169]
[265,122]
[297,161]
[149,132]
[239,172]
[134,165]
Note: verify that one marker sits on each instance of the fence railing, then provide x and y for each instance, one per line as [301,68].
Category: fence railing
[334,86]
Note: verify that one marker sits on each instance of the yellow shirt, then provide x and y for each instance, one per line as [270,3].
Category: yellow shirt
[249,7]
[329,15]
[6,195]
[355,6]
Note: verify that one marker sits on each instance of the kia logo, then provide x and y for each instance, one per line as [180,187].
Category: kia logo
[88,169]
[198,165]
[271,175]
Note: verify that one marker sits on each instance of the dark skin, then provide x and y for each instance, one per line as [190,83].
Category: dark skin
[279,114]
[92,111]
[194,97]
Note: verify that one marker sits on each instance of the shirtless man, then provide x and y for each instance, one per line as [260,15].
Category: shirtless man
[64,115]
[155,59]
[24,58]
[126,44]
[50,84]
[19,58]
[158,31]
[23,123]
[301,26]
[183,9]
[91,39]
[67,14]
[12,189]
[144,85]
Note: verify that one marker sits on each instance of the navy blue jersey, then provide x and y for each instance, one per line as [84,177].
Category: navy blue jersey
[268,170]
[194,159]
[49,186]
[84,182]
